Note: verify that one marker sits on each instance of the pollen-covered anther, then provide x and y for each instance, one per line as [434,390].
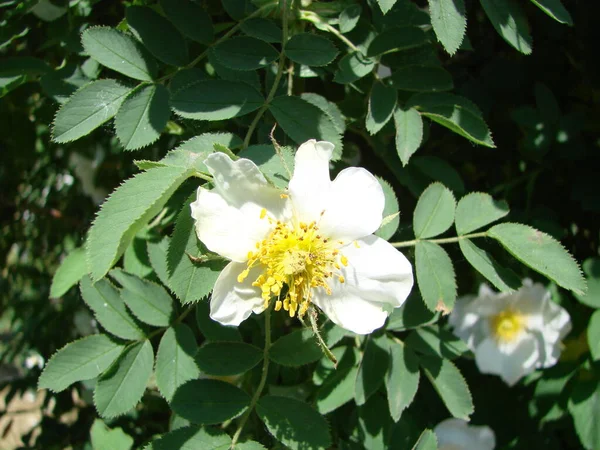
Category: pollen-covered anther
[294,261]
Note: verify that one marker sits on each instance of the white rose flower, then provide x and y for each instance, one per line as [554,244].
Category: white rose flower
[311,244]
[511,334]
[457,434]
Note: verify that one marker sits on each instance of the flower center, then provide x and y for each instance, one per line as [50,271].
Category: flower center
[508,325]
[295,259]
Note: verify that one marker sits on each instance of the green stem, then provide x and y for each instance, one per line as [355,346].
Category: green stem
[278,76]
[261,384]
[439,241]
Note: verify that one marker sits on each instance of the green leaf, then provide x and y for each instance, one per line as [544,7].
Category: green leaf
[391,213]
[271,163]
[79,360]
[185,78]
[411,314]
[510,22]
[135,258]
[240,358]
[382,102]
[248,76]
[190,18]
[90,107]
[436,341]
[209,401]
[148,301]
[502,278]
[175,362]
[450,385]
[402,378]
[440,170]
[121,387]
[476,210]
[216,100]
[352,67]
[419,78]
[427,441]
[434,212]
[104,299]
[303,121]
[126,211]
[70,271]
[310,49]
[143,116]
[455,113]
[103,438]
[296,349]
[593,335]
[120,52]
[190,281]
[249,445]
[213,330]
[263,29]
[329,108]
[338,388]
[435,276]
[23,65]
[349,18]
[168,45]
[386,5]
[157,253]
[238,9]
[192,438]
[584,406]
[397,39]
[372,369]
[294,423]
[540,252]
[591,268]
[449,20]
[555,9]
[245,53]
[409,132]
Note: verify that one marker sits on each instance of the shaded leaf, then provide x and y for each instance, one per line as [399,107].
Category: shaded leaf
[209,401]
[397,39]
[240,358]
[372,369]
[158,35]
[190,18]
[409,132]
[510,22]
[295,349]
[402,378]
[420,78]
[294,423]
[216,100]
[502,278]
[382,102]
[310,49]
[245,53]
[122,386]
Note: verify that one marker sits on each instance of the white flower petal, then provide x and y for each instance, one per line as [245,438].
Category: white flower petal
[355,205]
[233,302]
[510,362]
[376,271]
[378,279]
[310,184]
[241,182]
[458,434]
[227,230]
[466,322]
[352,312]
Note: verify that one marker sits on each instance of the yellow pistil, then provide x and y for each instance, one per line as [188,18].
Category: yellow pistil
[295,259]
[507,325]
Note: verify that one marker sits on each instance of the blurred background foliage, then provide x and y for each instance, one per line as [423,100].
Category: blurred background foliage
[544,114]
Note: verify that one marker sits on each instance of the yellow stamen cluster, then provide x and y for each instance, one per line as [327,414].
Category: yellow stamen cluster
[295,259]
[507,325]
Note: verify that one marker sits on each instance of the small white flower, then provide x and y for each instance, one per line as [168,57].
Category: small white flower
[511,334]
[457,434]
[310,244]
